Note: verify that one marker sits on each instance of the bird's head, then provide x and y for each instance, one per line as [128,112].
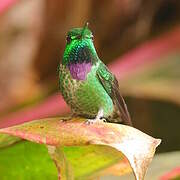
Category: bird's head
[79,46]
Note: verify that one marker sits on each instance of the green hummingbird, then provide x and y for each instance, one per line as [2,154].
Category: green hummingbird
[85,82]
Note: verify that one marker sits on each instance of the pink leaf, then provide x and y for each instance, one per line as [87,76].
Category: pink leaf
[138,147]
[6,4]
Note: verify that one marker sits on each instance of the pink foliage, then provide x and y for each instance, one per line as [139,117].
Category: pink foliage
[52,106]
[146,53]
[175,173]
[6,4]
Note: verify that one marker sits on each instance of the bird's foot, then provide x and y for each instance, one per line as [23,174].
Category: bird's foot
[99,118]
[95,121]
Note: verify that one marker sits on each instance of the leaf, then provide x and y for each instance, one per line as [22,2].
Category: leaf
[138,147]
[164,166]
[7,140]
[50,107]
[5,5]
[26,161]
[160,80]
[118,169]
[174,174]
[147,53]
[85,161]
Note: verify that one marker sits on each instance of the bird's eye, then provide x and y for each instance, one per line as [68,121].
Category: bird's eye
[68,39]
[78,37]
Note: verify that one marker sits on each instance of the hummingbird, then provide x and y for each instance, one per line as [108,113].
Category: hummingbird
[86,84]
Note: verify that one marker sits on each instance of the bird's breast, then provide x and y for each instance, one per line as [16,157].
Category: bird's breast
[79,70]
[85,96]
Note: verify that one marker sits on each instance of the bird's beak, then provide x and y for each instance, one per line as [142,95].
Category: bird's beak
[84,28]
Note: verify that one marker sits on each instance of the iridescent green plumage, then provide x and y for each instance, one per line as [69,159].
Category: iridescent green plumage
[85,82]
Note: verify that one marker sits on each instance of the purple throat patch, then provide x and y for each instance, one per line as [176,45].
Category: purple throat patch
[79,71]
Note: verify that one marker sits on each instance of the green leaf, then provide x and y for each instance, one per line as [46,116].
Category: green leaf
[31,161]
[26,160]
[7,140]
[89,161]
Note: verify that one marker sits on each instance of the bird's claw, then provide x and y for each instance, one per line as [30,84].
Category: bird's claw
[95,121]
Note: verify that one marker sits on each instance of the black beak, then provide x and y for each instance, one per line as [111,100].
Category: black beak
[84,28]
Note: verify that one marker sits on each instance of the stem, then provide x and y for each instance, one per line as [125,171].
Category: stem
[62,165]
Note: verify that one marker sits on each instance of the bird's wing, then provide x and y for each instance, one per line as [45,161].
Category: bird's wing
[110,84]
